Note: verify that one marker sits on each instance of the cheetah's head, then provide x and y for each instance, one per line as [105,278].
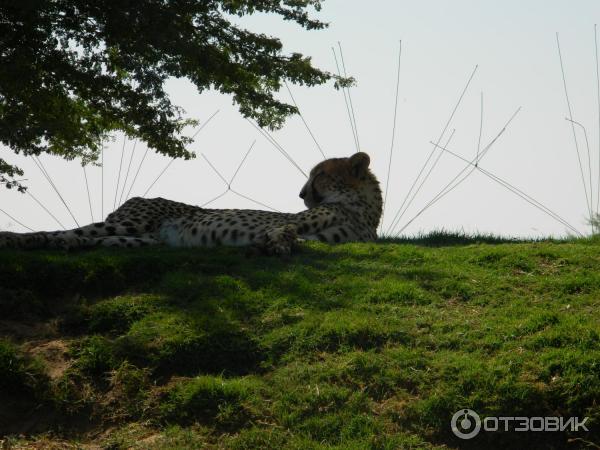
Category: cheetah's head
[342,180]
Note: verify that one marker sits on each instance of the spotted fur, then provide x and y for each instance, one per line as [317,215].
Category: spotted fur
[342,196]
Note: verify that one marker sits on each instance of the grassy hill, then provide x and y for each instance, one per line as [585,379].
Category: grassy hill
[348,347]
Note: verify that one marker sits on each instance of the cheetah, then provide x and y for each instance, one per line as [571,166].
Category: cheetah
[342,196]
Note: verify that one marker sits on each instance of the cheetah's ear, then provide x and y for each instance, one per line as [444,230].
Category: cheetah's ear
[359,163]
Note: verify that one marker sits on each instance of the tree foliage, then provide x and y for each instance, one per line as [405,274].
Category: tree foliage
[75,70]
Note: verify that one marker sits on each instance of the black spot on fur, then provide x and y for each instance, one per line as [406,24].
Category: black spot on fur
[78,232]
[321,237]
[203,239]
[111,230]
[336,237]
[194,231]
[131,230]
[234,235]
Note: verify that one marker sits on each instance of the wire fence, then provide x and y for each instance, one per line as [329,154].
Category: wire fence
[123,188]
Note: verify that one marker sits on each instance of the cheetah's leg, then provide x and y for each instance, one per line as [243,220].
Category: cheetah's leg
[47,240]
[86,236]
[335,235]
[329,225]
[279,240]
[127,241]
[42,239]
[282,240]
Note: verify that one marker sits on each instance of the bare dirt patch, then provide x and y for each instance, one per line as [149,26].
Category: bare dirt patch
[54,353]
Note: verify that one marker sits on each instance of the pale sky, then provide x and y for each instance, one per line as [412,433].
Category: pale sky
[513,43]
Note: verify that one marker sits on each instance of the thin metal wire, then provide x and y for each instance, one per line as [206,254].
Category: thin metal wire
[229,187]
[127,173]
[241,163]
[530,200]
[349,97]
[345,100]
[587,144]
[477,159]
[493,141]
[215,169]
[138,172]
[87,188]
[433,150]
[172,160]
[587,200]
[205,123]
[28,192]
[507,185]
[480,127]
[423,181]
[474,162]
[303,120]
[254,201]
[119,175]
[481,155]
[40,166]
[158,177]
[598,95]
[499,180]
[15,220]
[214,199]
[276,144]
[389,171]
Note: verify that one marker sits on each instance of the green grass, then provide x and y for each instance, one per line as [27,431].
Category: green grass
[357,346]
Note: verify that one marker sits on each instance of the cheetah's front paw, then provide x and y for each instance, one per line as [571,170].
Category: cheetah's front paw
[281,240]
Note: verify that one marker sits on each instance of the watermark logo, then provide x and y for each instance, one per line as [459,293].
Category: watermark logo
[466,424]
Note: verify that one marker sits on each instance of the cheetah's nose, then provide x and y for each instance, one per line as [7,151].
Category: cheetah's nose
[302,193]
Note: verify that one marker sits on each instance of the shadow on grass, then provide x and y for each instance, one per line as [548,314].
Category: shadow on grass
[156,315]
[184,312]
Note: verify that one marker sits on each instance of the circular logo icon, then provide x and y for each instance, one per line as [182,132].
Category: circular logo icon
[465,423]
